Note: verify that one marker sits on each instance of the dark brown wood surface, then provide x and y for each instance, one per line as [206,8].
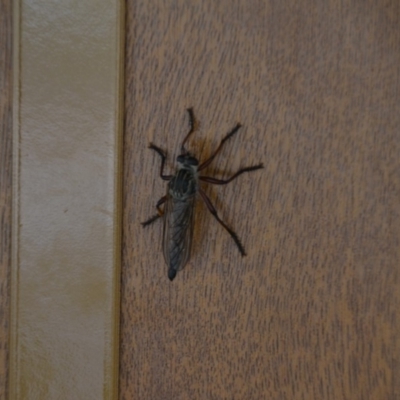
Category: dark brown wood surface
[5,184]
[312,311]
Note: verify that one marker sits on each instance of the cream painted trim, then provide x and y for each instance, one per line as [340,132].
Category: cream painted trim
[67,122]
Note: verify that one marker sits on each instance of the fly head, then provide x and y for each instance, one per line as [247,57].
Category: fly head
[187,161]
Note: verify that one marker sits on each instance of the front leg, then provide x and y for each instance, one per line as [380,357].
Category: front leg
[163,158]
[206,163]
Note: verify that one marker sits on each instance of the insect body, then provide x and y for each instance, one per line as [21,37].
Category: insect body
[179,201]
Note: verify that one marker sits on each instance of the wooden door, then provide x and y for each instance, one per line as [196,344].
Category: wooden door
[311,311]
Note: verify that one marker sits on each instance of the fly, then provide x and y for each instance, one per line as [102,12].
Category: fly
[179,201]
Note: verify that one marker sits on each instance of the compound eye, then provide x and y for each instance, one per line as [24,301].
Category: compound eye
[192,161]
[186,159]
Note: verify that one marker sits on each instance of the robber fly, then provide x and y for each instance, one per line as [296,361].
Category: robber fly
[180,198]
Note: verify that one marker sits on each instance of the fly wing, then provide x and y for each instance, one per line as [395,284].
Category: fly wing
[178,233]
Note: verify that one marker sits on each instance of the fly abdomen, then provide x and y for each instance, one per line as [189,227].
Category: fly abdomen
[178,233]
[171,274]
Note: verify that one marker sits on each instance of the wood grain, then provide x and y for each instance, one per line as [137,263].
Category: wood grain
[5,185]
[311,312]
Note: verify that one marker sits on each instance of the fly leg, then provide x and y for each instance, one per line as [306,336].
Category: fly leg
[163,158]
[216,181]
[160,212]
[193,126]
[213,211]
[229,135]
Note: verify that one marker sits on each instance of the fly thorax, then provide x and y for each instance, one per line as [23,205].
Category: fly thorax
[183,184]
